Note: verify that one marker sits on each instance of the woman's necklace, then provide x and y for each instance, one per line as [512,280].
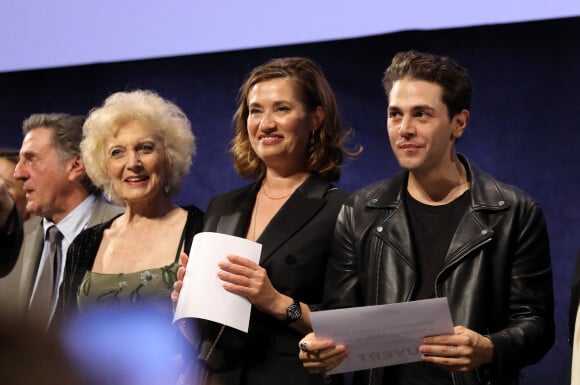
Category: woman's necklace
[264,185]
[255,212]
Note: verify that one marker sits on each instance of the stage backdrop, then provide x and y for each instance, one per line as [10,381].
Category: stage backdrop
[524,125]
[36,34]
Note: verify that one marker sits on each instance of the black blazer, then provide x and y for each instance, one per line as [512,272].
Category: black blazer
[296,245]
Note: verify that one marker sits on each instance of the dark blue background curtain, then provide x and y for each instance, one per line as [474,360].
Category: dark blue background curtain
[524,126]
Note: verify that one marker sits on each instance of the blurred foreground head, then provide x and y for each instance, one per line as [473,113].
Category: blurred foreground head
[134,345]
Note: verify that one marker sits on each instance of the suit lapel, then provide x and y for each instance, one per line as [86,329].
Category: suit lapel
[238,217]
[33,245]
[302,206]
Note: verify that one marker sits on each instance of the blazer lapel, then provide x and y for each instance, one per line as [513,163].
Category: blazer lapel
[32,252]
[304,204]
[238,217]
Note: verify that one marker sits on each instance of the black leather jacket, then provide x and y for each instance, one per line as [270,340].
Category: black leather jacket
[497,274]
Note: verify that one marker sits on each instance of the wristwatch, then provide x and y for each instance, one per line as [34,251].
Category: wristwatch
[294,312]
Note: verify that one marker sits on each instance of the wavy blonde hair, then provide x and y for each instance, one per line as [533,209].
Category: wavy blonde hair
[149,108]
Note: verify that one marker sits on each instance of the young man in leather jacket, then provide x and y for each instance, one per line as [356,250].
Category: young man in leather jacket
[442,228]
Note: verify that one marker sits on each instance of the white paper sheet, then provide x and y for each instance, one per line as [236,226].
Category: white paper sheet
[382,335]
[202,294]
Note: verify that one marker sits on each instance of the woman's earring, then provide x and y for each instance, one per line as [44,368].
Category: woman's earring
[166,187]
[109,191]
[251,156]
[312,138]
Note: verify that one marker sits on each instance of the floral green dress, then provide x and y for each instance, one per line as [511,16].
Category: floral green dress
[84,289]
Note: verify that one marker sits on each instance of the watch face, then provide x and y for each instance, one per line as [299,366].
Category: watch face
[294,312]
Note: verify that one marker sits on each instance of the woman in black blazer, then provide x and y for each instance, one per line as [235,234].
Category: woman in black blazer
[290,140]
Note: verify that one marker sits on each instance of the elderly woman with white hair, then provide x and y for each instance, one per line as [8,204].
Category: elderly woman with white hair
[138,148]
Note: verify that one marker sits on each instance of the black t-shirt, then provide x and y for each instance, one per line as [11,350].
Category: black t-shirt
[432,228]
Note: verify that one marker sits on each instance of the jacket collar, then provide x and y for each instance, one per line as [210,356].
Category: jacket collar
[485,192]
[300,208]
[302,205]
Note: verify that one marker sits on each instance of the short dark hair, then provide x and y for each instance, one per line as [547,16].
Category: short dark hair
[67,135]
[10,154]
[441,70]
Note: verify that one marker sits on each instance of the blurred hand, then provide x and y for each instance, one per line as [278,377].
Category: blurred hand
[6,203]
[465,350]
[320,356]
[183,258]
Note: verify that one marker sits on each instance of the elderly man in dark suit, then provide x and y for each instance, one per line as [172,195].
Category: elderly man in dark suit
[64,201]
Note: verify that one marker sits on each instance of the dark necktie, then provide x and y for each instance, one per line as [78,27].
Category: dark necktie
[44,299]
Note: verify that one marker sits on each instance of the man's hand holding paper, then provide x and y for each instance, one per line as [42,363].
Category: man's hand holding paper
[375,336]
